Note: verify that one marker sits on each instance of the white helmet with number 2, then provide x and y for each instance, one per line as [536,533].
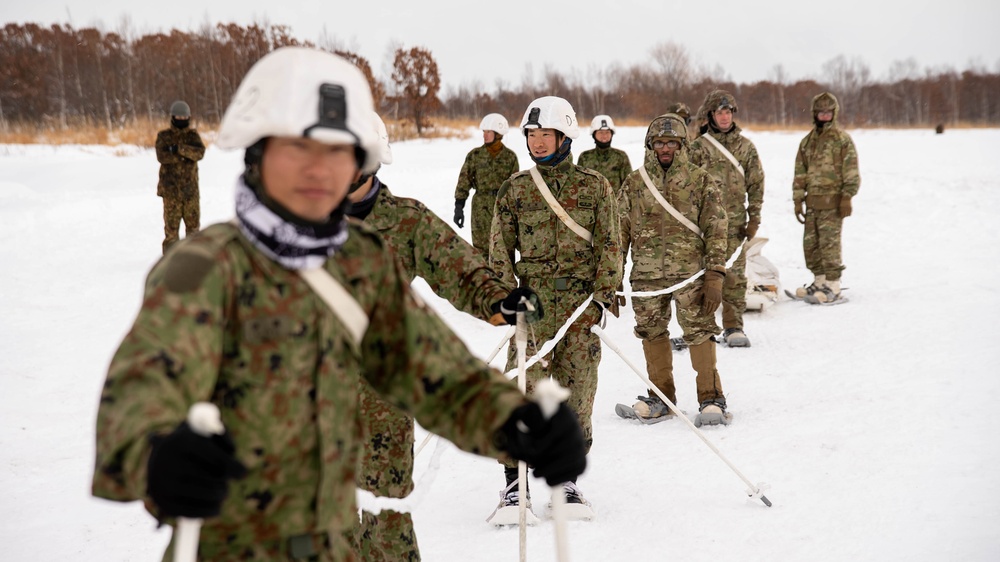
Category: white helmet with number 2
[551,112]
[302,92]
[602,122]
[494,122]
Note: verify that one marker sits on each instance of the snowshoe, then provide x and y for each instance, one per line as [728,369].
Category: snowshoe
[713,412]
[576,508]
[650,410]
[507,511]
[826,296]
[734,337]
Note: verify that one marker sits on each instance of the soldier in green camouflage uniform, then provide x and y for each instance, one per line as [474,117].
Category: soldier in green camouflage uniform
[826,178]
[178,149]
[610,162]
[484,169]
[228,317]
[665,252]
[742,193]
[424,246]
[563,268]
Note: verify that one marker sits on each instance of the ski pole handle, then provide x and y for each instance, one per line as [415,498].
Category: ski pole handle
[205,420]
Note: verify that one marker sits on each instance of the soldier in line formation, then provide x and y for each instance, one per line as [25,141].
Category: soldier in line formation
[277,319]
[611,163]
[178,150]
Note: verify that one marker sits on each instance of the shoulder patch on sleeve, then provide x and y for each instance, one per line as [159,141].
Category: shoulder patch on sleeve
[186,268]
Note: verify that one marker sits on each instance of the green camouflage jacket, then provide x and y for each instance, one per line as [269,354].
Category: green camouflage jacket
[524,222]
[610,162]
[425,246]
[179,170]
[826,164]
[221,322]
[484,172]
[662,247]
[743,196]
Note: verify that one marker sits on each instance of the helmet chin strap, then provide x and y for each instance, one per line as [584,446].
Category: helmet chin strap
[556,157]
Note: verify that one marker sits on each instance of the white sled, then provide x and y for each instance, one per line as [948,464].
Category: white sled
[763,282]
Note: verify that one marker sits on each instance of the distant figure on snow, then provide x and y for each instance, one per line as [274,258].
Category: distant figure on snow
[178,150]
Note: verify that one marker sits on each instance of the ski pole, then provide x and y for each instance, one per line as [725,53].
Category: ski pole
[506,337]
[754,491]
[205,420]
[521,341]
[549,395]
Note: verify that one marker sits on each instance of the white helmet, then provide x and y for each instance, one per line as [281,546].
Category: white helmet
[302,92]
[551,112]
[494,122]
[602,122]
[383,140]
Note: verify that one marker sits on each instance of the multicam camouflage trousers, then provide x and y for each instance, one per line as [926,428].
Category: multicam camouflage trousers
[734,288]
[483,203]
[175,209]
[821,242]
[574,360]
[652,314]
[386,471]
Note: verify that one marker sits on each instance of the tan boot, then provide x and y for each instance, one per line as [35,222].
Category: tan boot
[708,382]
[660,365]
[816,285]
[829,292]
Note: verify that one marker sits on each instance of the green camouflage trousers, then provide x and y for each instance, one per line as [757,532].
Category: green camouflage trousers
[175,209]
[821,242]
[652,314]
[319,547]
[574,360]
[481,211]
[734,288]
[386,471]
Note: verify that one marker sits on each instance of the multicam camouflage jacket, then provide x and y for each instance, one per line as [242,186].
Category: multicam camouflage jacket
[743,195]
[221,322]
[484,172]
[610,162]
[425,246]
[662,247]
[178,169]
[826,164]
[524,222]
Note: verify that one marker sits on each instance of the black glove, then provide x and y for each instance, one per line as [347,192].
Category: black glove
[603,309]
[172,149]
[189,474]
[553,446]
[460,212]
[511,305]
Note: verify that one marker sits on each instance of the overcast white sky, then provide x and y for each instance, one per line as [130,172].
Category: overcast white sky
[487,41]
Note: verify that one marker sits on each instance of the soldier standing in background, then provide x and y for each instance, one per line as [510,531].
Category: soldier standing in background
[729,156]
[424,246]
[610,162]
[672,217]
[178,149]
[276,320]
[484,169]
[826,178]
[681,109]
[564,259]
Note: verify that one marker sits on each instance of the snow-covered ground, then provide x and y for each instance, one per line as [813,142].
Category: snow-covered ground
[874,423]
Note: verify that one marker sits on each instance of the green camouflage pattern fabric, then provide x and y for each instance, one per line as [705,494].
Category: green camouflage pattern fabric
[826,165]
[223,323]
[743,196]
[424,246]
[483,173]
[662,247]
[178,185]
[610,162]
[562,268]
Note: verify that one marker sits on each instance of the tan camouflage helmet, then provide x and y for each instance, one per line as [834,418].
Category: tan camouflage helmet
[825,102]
[669,125]
[682,109]
[719,99]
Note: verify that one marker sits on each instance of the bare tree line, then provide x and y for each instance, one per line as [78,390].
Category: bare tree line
[60,77]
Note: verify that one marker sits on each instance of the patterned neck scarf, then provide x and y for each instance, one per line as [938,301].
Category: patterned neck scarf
[293,244]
